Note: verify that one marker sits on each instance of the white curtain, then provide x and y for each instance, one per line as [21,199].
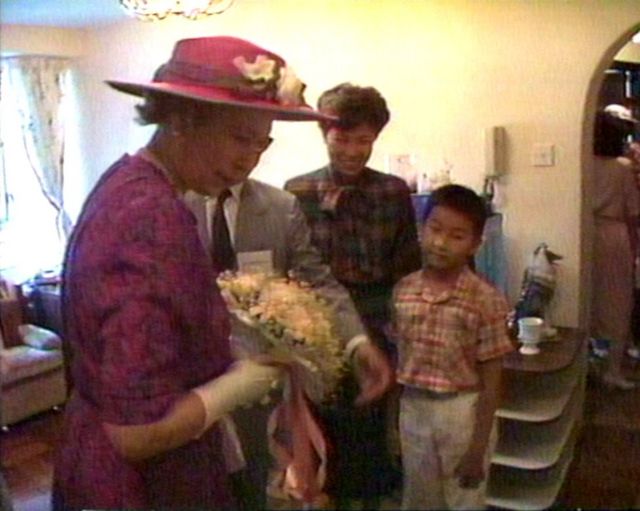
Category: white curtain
[39,88]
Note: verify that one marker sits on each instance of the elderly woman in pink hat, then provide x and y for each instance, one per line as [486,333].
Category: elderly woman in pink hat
[145,326]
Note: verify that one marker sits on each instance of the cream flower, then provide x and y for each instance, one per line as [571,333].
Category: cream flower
[262,70]
[289,88]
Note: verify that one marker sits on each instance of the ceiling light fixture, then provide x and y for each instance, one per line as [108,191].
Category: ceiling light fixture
[153,10]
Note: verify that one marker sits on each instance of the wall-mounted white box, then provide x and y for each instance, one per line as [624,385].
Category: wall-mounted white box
[495,158]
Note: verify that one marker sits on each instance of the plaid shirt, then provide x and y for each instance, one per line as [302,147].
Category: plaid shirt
[441,337]
[366,231]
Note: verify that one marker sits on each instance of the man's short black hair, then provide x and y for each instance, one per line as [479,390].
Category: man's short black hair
[463,200]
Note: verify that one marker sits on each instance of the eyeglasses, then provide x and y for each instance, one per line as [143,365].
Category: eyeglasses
[256,144]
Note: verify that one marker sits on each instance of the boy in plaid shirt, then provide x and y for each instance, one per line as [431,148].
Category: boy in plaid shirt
[451,335]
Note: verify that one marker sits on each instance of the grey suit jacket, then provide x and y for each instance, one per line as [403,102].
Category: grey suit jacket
[270,219]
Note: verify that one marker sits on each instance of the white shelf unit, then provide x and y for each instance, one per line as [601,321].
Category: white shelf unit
[529,490]
[538,426]
[536,445]
[541,397]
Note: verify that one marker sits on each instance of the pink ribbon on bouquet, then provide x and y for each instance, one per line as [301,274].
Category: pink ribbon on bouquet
[302,461]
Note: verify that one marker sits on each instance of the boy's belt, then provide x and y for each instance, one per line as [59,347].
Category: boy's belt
[429,394]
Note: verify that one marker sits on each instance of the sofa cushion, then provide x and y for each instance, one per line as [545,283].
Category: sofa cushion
[22,362]
[39,338]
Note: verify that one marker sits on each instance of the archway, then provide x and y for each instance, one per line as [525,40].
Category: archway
[586,161]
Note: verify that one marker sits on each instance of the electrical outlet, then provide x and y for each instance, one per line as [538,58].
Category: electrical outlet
[543,155]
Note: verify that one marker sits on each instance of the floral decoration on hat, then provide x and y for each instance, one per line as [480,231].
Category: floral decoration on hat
[261,70]
[290,88]
[276,82]
[232,71]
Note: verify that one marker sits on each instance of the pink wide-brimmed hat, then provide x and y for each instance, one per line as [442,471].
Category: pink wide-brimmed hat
[230,71]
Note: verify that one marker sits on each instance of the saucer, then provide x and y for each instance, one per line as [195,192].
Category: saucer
[529,349]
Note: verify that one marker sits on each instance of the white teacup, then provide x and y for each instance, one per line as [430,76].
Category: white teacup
[529,334]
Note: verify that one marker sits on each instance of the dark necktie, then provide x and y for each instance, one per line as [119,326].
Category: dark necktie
[223,255]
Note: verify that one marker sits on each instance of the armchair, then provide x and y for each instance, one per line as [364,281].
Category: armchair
[32,377]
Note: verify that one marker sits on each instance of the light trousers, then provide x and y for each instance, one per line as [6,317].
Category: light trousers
[435,433]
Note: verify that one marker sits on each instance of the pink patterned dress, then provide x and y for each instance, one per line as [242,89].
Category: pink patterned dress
[144,323]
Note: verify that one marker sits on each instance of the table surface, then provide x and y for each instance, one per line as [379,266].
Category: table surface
[555,353]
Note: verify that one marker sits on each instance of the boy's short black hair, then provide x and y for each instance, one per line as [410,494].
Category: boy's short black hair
[353,106]
[462,200]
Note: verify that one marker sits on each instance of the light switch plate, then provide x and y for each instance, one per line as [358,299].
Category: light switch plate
[543,155]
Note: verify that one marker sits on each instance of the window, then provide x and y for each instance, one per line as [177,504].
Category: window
[30,239]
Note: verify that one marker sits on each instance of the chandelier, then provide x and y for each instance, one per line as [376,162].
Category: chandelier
[153,10]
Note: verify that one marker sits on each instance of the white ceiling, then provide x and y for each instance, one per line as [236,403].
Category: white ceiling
[61,13]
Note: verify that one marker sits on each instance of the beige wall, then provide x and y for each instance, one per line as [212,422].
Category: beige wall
[41,40]
[448,69]
[630,52]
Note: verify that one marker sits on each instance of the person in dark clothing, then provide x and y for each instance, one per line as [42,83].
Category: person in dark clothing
[364,225]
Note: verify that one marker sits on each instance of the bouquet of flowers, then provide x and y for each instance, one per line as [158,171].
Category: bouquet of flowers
[286,318]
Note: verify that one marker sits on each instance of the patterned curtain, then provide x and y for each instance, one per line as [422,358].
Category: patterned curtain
[39,83]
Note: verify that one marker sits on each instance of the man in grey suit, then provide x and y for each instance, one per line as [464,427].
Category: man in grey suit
[269,232]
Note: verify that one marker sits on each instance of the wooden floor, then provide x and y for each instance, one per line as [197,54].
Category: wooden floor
[605,473]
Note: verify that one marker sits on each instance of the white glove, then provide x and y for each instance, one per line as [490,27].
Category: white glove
[246,382]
